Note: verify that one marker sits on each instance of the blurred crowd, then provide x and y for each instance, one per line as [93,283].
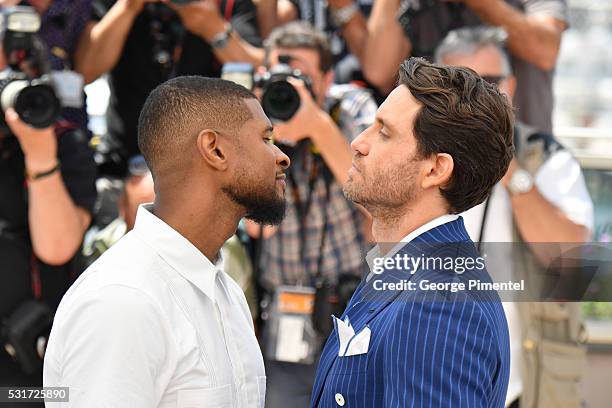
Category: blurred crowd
[321,68]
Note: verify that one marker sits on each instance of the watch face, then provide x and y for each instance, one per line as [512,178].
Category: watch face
[521,181]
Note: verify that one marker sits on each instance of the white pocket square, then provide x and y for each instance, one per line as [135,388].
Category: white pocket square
[351,344]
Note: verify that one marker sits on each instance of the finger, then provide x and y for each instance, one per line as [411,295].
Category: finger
[300,86]
[14,121]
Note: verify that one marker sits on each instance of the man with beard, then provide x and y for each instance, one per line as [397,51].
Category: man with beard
[441,141]
[156,322]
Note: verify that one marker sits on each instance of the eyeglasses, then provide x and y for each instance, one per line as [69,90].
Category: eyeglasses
[493,79]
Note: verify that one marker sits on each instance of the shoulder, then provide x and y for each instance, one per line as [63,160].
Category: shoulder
[126,271]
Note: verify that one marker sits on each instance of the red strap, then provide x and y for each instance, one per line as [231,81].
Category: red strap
[36,285]
[229,7]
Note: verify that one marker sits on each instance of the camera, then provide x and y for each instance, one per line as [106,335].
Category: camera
[279,100]
[24,85]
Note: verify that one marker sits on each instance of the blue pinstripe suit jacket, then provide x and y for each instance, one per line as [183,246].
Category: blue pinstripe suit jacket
[436,350]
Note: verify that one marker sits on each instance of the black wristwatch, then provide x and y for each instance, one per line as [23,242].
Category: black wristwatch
[220,40]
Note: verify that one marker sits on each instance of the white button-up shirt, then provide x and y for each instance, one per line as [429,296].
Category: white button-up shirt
[153,323]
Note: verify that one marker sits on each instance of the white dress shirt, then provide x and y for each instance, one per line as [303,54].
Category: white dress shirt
[153,323]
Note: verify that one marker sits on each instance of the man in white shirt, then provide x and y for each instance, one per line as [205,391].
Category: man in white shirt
[156,322]
[550,206]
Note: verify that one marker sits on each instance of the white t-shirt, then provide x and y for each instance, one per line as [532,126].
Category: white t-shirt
[561,182]
[153,323]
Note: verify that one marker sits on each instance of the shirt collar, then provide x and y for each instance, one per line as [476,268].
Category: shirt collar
[436,222]
[180,254]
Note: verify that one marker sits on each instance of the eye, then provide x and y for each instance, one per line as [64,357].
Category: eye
[383,134]
[269,140]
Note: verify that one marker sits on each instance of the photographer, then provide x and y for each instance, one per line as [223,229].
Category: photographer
[64,27]
[47,181]
[397,29]
[314,255]
[143,43]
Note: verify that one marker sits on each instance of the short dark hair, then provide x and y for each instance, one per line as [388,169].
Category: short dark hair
[182,107]
[466,117]
[301,34]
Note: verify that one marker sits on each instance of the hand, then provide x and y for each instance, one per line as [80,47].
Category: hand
[39,146]
[514,165]
[202,17]
[305,123]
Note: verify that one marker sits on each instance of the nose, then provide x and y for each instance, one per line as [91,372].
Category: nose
[359,144]
[282,160]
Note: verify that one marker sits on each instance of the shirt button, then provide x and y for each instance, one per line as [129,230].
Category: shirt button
[339,399]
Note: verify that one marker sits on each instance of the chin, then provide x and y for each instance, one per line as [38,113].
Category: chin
[351,193]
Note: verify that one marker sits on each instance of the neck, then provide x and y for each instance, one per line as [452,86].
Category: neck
[389,228]
[207,221]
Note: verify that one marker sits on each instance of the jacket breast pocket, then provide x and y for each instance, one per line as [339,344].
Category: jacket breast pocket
[350,365]
[218,397]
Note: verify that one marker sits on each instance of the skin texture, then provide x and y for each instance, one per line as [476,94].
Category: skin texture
[400,189]
[204,196]
[537,219]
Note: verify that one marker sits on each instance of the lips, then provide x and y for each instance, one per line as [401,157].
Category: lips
[280,178]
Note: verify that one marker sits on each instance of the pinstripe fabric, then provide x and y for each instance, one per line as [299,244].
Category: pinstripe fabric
[435,351]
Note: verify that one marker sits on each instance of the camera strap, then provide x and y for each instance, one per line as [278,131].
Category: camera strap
[229,9]
[303,209]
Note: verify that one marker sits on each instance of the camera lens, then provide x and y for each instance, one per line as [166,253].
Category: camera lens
[280,101]
[36,104]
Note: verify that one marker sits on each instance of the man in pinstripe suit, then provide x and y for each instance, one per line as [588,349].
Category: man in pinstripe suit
[441,141]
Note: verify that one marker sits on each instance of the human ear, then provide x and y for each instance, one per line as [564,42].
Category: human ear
[212,149]
[439,170]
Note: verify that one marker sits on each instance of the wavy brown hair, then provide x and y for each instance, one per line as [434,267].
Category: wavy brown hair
[466,117]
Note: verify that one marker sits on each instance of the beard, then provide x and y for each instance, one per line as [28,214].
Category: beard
[384,191]
[263,205]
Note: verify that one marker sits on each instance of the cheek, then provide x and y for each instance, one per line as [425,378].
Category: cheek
[381,156]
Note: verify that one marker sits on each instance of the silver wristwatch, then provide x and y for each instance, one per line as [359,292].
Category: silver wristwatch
[344,14]
[220,40]
[521,182]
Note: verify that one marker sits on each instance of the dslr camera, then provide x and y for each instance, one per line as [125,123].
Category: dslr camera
[25,85]
[279,100]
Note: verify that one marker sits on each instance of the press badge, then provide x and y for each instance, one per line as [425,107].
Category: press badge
[289,333]
[69,87]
